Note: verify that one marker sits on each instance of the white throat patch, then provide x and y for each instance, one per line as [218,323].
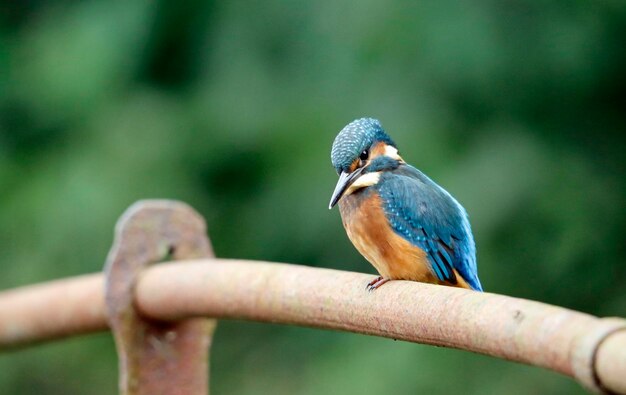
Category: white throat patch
[365,180]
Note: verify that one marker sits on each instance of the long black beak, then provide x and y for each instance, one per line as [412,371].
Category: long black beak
[345,180]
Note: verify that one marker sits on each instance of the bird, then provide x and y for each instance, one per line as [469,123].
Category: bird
[402,222]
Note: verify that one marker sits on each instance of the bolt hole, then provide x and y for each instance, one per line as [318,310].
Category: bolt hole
[169,253]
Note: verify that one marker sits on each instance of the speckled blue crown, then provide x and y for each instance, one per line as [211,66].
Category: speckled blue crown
[353,139]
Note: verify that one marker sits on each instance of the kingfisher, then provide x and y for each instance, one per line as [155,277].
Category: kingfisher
[401,221]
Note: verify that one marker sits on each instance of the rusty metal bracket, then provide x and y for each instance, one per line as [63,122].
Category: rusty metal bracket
[156,357]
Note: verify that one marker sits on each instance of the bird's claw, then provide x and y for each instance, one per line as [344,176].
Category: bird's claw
[375,283]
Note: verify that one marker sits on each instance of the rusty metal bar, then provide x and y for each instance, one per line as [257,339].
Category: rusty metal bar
[156,357]
[52,310]
[515,329]
[587,348]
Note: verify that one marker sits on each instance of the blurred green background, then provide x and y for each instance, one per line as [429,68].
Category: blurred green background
[518,108]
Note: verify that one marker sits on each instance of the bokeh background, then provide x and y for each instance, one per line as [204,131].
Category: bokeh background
[518,108]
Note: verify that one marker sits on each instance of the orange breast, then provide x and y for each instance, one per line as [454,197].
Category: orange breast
[368,229]
[393,257]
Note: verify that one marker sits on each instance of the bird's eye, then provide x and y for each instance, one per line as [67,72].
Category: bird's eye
[364,155]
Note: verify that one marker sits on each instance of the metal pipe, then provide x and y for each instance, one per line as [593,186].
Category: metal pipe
[52,310]
[575,344]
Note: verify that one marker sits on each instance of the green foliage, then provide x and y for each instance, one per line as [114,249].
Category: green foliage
[517,108]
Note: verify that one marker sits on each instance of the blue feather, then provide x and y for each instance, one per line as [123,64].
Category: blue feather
[427,216]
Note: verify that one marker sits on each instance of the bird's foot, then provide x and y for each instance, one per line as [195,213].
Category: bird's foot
[375,283]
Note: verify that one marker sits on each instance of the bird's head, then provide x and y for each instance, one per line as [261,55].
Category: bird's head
[361,151]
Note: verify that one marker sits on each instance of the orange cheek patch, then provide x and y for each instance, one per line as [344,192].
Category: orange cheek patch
[378,150]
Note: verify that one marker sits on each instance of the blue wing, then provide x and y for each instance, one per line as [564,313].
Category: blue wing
[426,215]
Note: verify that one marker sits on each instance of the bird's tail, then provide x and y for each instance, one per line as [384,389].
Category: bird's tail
[461,283]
